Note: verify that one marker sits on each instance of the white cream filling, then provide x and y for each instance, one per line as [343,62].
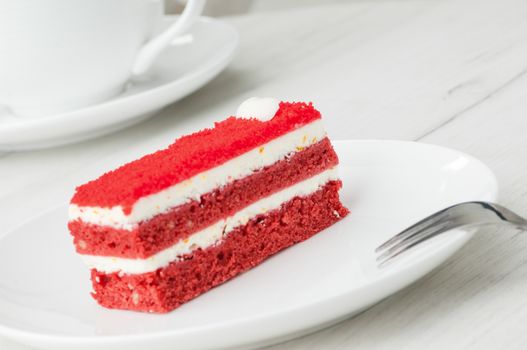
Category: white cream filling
[212,234]
[193,188]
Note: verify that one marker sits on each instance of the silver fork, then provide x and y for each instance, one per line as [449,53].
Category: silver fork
[459,215]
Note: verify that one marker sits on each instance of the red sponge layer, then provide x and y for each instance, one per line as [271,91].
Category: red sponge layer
[244,248]
[190,155]
[166,229]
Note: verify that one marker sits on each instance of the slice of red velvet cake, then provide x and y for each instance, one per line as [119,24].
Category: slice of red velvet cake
[165,228]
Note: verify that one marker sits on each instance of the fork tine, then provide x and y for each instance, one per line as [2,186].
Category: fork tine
[410,242]
[412,230]
[458,215]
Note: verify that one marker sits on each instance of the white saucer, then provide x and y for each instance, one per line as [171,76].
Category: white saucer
[180,70]
[44,287]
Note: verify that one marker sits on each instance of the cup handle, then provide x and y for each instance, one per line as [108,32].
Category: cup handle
[155,46]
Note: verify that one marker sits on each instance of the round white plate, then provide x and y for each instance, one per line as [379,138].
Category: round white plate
[191,62]
[44,288]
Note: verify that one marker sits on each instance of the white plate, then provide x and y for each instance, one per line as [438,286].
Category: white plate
[44,300]
[183,68]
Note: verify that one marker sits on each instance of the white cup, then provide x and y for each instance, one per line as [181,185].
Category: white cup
[60,55]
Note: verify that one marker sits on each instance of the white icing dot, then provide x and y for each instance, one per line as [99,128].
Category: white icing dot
[263,108]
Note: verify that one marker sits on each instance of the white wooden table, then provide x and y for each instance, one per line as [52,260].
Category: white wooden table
[452,73]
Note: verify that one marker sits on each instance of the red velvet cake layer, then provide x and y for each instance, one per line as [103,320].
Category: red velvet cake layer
[244,248]
[166,229]
[190,155]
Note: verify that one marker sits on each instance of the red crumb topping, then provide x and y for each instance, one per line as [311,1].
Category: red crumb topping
[190,155]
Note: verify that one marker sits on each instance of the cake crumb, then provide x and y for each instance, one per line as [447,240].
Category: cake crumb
[82,244]
[135,298]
